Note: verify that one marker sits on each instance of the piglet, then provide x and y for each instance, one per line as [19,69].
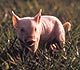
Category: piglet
[39,30]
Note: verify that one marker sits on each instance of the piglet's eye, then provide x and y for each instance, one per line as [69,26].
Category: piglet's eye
[35,29]
[22,30]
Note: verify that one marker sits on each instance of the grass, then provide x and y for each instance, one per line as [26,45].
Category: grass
[13,57]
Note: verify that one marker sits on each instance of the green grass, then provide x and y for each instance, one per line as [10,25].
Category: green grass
[13,57]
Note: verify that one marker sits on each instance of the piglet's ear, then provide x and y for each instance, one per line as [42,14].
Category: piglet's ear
[15,19]
[38,16]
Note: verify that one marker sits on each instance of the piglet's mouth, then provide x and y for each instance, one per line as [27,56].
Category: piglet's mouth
[32,46]
[30,43]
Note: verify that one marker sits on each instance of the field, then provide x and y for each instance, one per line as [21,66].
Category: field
[13,56]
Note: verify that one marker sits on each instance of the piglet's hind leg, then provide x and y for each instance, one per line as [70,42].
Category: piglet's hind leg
[62,46]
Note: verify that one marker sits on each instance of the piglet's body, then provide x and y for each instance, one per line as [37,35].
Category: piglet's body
[38,30]
[51,30]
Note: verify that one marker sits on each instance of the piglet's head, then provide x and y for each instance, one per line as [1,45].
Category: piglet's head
[28,29]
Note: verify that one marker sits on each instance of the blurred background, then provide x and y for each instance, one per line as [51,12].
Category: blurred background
[65,10]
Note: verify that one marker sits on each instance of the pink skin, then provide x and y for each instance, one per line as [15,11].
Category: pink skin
[39,30]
